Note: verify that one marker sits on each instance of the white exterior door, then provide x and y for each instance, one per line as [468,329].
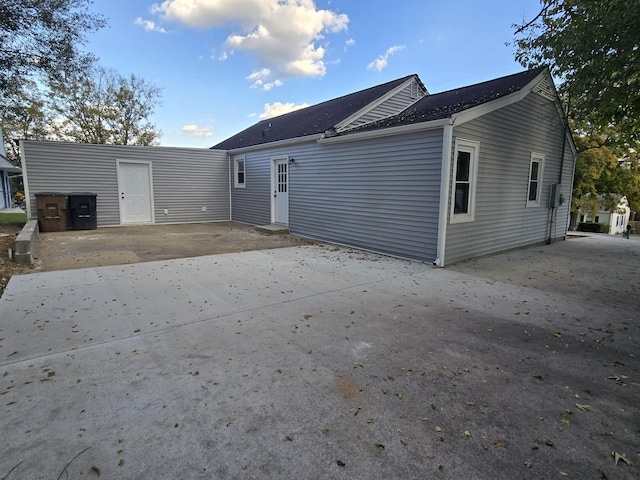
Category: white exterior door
[134,182]
[280,187]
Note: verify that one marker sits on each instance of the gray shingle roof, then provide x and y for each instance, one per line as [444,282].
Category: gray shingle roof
[444,104]
[310,120]
[324,116]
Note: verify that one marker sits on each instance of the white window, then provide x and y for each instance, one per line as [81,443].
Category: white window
[535,180]
[239,174]
[465,170]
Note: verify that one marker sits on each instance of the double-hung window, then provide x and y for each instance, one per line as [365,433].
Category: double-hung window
[239,173]
[535,180]
[465,170]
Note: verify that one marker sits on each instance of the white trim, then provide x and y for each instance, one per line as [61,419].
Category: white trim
[273,183]
[278,143]
[445,181]
[540,158]
[473,148]
[370,106]
[236,160]
[385,132]
[25,179]
[148,163]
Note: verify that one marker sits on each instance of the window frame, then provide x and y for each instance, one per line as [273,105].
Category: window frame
[539,158]
[473,148]
[236,181]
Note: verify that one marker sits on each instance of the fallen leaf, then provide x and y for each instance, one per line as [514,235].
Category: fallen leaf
[399,395]
[620,456]
[430,456]
[96,470]
[471,404]
[340,463]
[557,335]
[565,420]
[379,445]
[538,376]
[370,420]
[137,352]
[528,464]
[121,449]
[584,408]
[325,430]
[564,474]
[467,433]
[497,443]
[437,428]
[404,442]
[121,462]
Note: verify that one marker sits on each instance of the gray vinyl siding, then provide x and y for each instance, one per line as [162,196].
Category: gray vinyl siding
[184,180]
[502,220]
[377,194]
[392,106]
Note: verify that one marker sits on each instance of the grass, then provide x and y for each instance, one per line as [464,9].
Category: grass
[13,218]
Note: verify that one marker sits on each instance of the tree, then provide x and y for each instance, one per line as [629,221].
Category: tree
[105,107]
[41,39]
[24,115]
[593,47]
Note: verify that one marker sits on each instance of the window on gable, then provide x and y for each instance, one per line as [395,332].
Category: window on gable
[465,169]
[535,180]
[239,172]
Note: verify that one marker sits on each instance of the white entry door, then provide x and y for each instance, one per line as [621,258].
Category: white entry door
[280,187]
[134,182]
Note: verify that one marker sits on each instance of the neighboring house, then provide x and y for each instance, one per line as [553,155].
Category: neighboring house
[393,169]
[6,168]
[134,185]
[617,220]
[433,177]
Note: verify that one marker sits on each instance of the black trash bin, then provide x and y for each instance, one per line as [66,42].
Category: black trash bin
[82,210]
[52,211]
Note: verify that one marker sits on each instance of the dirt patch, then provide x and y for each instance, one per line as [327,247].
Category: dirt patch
[134,244]
[8,267]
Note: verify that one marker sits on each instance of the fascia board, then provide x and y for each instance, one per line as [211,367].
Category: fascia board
[276,144]
[385,132]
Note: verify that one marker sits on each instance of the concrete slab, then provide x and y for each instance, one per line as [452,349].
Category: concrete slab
[320,362]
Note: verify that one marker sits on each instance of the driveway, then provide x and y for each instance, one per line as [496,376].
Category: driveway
[325,362]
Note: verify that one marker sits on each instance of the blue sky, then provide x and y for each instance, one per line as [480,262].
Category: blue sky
[225,64]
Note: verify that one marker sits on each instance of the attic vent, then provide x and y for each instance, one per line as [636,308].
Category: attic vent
[545,89]
[414,90]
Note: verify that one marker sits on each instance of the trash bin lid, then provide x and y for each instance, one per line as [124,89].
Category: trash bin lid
[82,194]
[50,194]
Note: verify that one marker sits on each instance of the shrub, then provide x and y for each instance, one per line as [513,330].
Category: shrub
[592,227]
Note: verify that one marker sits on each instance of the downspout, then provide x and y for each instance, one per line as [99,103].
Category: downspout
[445,178]
[231,187]
[554,211]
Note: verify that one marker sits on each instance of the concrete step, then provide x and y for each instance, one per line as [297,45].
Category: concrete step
[273,229]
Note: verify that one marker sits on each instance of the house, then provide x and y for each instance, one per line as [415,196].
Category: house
[6,169]
[392,169]
[616,219]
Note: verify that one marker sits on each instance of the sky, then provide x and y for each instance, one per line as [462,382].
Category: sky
[224,65]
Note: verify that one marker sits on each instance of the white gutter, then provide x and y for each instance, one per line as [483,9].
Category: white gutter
[445,178]
[385,132]
[276,144]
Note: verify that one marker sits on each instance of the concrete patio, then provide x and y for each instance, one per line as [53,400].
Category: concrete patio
[326,362]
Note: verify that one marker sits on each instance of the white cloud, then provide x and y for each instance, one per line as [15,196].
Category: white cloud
[149,25]
[196,131]
[260,80]
[350,43]
[382,61]
[284,35]
[278,108]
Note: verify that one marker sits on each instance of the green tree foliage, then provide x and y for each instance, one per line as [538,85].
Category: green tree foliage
[593,47]
[24,114]
[41,39]
[105,107]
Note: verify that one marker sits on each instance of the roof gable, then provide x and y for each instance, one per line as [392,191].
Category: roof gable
[315,119]
[446,104]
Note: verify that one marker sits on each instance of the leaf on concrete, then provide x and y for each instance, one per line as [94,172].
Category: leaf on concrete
[95,470]
[584,408]
[538,376]
[564,474]
[467,433]
[437,428]
[399,395]
[557,334]
[137,352]
[371,420]
[620,456]
[497,443]
[121,462]
[528,464]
